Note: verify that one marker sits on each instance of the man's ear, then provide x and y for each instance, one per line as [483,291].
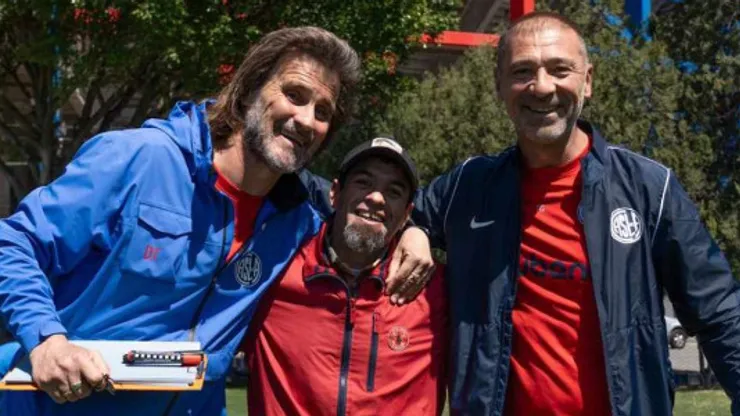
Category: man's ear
[333,192]
[589,81]
[408,212]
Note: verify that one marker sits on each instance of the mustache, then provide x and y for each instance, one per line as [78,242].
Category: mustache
[288,129]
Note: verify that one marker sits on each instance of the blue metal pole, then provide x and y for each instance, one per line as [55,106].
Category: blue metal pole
[639,13]
[59,128]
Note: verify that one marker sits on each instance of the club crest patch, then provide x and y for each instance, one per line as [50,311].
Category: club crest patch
[398,338]
[626,225]
[248,269]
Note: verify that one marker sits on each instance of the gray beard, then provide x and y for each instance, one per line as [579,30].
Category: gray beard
[256,137]
[361,241]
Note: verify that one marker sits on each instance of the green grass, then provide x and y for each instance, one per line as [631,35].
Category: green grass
[701,403]
[236,401]
[688,403]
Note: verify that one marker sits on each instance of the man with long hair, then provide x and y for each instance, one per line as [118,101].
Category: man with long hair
[172,231]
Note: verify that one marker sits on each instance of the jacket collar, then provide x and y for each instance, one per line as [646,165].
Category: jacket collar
[187,126]
[595,160]
[288,192]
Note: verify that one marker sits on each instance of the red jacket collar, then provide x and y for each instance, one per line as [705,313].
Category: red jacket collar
[317,261]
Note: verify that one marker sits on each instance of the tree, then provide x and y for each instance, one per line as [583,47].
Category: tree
[455,114]
[73,68]
[384,32]
[450,116]
[703,41]
[641,100]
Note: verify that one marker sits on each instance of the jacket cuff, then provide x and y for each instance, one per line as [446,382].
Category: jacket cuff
[34,336]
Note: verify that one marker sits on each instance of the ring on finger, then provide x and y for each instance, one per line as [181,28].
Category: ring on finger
[59,396]
[76,387]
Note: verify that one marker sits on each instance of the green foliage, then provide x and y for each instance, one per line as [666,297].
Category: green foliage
[451,116]
[94,59]
[125,60]
[707,34]
[641,99]
[383,32]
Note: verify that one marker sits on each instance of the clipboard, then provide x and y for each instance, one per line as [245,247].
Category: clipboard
[122,376]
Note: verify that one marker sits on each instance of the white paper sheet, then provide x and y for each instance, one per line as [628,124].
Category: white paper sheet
[113,351]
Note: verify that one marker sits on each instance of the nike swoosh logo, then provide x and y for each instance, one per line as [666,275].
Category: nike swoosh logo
[475,224]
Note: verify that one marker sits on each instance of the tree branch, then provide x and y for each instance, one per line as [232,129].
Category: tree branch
[17,115]
[145,103]
[45,116]
[33,74]
[99,95]
[13,181]
[21,85]
[28,146]
[114,112]
[115,104]
[90,97]
[105,107]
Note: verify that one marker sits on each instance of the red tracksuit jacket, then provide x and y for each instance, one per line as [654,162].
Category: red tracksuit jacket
[316,348]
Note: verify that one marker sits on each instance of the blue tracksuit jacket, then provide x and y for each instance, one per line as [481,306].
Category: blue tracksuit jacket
[129,243]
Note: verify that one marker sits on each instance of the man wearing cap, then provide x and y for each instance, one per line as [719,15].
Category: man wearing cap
[326,340]
[172,231]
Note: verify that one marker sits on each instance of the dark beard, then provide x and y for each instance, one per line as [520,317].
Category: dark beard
[255,139]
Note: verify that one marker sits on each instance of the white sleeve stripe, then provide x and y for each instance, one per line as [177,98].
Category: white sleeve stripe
[454,192]
[662,202]
[622,149]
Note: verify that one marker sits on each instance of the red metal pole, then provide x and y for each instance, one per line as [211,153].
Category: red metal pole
[460,39]
[518,8]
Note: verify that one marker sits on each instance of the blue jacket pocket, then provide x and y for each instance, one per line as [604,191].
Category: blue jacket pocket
[159,243]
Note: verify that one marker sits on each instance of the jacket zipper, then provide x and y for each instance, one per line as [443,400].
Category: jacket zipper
[212,285]
[505,364]
[346,352]
[509,320]
[349,323]
[222,264]
[373,354]
[586,192]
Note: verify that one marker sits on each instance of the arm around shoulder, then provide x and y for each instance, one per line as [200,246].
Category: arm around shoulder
[432,203]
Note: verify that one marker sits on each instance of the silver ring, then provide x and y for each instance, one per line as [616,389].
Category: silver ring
[75,387]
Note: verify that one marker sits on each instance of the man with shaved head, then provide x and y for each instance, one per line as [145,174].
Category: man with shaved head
[560,248]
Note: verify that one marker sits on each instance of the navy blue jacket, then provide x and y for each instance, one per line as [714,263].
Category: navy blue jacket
[644,237]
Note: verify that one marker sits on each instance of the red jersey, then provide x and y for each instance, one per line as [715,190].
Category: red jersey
[557,360]
[317,347]
[246,208]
